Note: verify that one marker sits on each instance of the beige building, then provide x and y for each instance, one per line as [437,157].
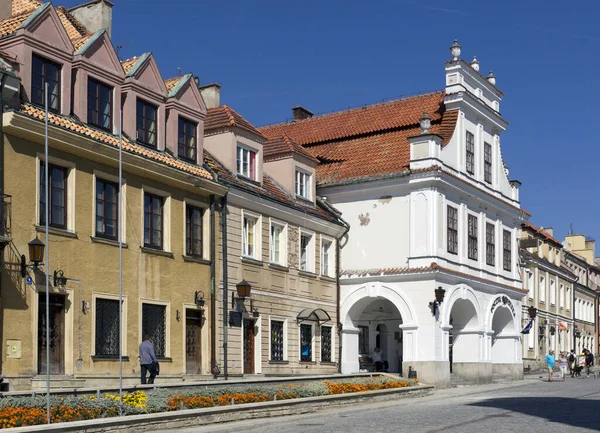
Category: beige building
[282,240]
[550,287]
[167,202]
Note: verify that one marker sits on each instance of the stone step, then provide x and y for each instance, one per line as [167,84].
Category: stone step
[56,382]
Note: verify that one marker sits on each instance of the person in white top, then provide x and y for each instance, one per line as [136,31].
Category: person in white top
[378,362]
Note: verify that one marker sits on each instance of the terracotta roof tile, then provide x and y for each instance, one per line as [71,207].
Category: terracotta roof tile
[548,237]
[171,83]
[269,189]
[359,121]
[20,6]
[129,63]
[106,138]
[224,117]
[75,30]
[281,146]
[11,24]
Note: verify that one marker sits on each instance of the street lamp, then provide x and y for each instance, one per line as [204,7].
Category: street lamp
[244,288]
[532,312]
[199,299]
[36,254]
[439,298]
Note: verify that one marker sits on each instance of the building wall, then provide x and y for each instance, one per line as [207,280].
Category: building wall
[167,278]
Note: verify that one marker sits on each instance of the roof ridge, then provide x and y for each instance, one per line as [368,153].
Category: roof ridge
[228,111]
[349,110]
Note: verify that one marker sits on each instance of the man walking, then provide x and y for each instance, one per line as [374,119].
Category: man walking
[572,359]
[148,359]
[589,362]
[550,364]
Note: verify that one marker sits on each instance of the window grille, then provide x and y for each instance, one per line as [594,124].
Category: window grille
[305,342]
[154,323]
[107,327]
[276,340]
[325,343]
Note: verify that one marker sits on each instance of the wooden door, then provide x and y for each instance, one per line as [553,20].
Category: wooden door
[54,343]
[193,342]
[248,346]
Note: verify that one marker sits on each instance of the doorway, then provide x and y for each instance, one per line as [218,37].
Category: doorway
[54,343]
[248,346]
[193,342]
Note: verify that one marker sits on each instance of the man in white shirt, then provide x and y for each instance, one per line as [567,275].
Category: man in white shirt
[378,361]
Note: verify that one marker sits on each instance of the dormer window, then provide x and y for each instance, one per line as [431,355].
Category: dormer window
[146,123]
[186,148]
[99,104]
[45,71]
[303,184]
[246,162]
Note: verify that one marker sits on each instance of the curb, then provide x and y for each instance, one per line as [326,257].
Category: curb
[212,415]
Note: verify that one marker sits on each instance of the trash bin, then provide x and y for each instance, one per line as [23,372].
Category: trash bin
[4,387]
[412,374]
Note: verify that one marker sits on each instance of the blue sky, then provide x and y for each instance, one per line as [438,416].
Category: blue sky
[331,55]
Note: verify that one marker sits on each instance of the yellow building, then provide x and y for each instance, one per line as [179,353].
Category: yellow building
[167,199]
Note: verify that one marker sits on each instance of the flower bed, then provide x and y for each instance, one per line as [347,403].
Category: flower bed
[26,411]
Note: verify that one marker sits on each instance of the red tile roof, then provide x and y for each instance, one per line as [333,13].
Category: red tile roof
[20,6]
[73,27]
[528,226]
[11,24]
[106,138]
[269,190]
[224,117]
[283,146]
[129,63]
[171,83]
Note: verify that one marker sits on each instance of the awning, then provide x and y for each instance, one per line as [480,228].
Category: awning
[313,315]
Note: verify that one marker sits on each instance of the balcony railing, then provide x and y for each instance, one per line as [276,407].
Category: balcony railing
[5,219]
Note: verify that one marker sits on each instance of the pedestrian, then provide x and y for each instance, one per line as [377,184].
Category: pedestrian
[572,362]
[562,364]
[589,362]
[148,361]
[550,364]
[378,362]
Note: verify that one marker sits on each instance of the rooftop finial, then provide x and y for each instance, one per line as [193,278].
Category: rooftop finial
[455,50]
[425,122]
[491,78]
[475,64]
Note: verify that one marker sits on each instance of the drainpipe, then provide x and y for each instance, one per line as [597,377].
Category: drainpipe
[1,186]
[339,290]
[213,305]
[225,282]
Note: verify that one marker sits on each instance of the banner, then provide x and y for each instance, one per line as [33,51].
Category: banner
[528,327]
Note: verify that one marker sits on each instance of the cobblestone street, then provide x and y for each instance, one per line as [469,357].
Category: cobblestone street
[529,406]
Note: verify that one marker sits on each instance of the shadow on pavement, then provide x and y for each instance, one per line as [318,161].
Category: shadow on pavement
[564,410]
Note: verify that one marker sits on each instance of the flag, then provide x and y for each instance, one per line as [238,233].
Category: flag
[528,327]
[561,326]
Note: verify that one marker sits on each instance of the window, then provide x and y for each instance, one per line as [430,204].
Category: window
[249,244]
[452,230]
[490,244]
[277,244]
[45,71]
[363,339]
[193,231]
[99,104]
[146,123]
[153,221]
[326,257]
[187,140]
[306,343]
[507,251]
[246,162]
[472,237]
[552,292]
[107,327]
[326,344]
[303,184]
[107,209]
[530,284]
[568,299]
[487,162]
[470,153]
[277,335]
[154,323]
[531,338]
[57,195]
[561,298]
[542,289]
[306,259]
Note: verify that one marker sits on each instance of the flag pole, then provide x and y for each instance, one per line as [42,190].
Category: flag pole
[47,256]
[121,262]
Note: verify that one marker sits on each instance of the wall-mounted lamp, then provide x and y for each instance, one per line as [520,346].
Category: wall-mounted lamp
[178,315]
[243,288]
[59,279]
[36,255]
[439,298]
[85,306]
[552,330]
[199,299]
[532,311]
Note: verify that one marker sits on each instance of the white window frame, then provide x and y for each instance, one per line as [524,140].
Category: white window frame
[332,343]
[256,254]
[100,175]
[531,336]
[166,304]
[71,193]
[330,255]
[285,336]
[312,343]
[552,291]
[205,226]
[166,215]
[530,284]
[282,242]
[241,152]
[303,189]
[111,297]
[561,298]
[310,252]
[568,299]
[542,283]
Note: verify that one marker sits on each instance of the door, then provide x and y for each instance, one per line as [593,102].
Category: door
[54,342]
[248,346]
[450,344]
[193,346]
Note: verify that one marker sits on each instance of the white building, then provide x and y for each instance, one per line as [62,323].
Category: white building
[430,206]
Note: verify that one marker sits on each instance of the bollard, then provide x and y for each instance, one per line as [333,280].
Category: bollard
[274,397]
[98,394]
[232,401]
[181,405]
[33,394]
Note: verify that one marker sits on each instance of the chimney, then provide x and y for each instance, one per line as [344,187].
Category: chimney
[5,9]
[211,94]
[94,15]
[547,230]
[301,113]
